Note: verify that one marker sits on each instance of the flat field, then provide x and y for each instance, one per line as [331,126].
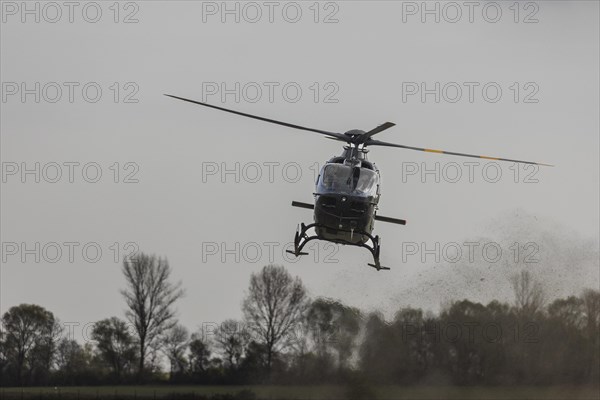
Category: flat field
[325,392]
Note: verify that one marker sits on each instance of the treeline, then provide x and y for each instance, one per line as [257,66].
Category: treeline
[285,337]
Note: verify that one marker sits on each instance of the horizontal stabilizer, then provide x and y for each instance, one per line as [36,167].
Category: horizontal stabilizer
[302,205]
[377,217]
[390,220]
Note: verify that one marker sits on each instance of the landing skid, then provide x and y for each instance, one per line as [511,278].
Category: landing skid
[302,238]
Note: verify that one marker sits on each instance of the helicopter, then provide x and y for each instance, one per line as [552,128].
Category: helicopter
[348,189]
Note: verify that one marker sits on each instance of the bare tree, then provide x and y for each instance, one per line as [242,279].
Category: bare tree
[274,306]
[333,326]
[150,298]
[591,304]
[529,294]
[175,343]
[231,339]
[199,357]
[591,301]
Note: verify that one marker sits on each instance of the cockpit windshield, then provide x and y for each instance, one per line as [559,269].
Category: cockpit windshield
[346,179]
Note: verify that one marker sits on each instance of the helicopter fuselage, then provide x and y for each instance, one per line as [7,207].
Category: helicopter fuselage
[346,198]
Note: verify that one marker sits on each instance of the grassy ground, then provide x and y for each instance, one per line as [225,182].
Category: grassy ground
[311,392]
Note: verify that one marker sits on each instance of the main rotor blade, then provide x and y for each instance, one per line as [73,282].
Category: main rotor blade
[373,142]
[365,136]
[332,134]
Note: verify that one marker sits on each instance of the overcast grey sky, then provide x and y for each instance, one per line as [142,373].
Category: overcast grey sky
[367,68]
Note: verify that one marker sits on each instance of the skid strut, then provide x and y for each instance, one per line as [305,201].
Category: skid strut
[301,238]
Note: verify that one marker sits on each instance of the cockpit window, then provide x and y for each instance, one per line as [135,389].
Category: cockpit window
[346,179]
[337,177]
[366,181]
